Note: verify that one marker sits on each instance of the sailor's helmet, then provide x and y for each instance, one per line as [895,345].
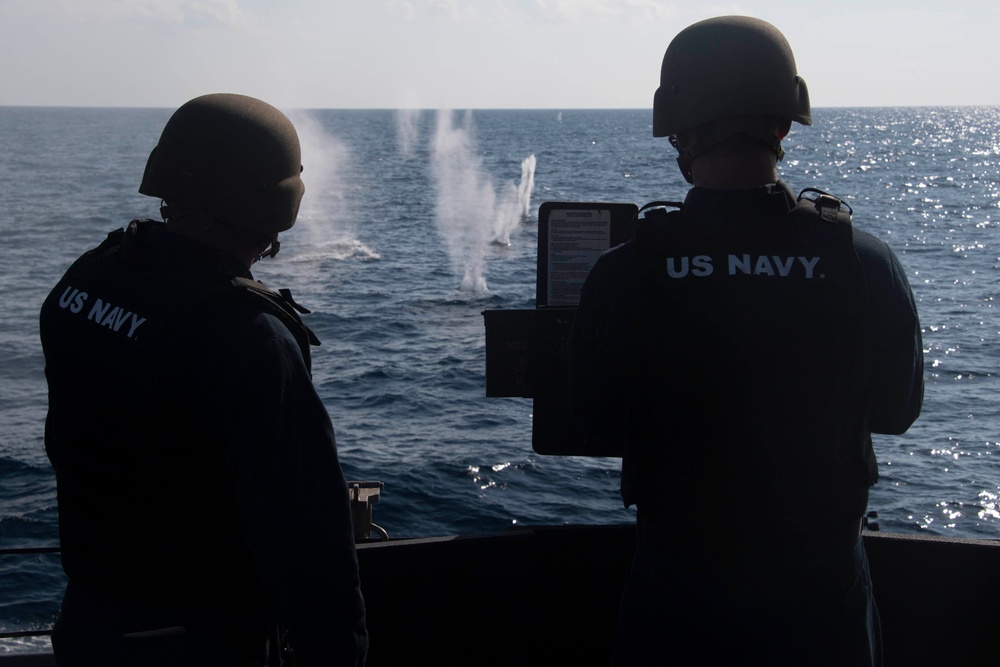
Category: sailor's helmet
[233,157]
[728,66]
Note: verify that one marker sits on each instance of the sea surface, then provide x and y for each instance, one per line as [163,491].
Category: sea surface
[413,223]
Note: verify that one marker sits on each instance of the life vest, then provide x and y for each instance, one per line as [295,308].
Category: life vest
[748,348]
[134,431]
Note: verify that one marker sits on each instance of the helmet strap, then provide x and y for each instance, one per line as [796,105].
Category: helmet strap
[165,210]
[271,250]
[684,160]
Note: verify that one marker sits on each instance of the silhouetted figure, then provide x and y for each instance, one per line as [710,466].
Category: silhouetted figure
[743,349]
[201,501]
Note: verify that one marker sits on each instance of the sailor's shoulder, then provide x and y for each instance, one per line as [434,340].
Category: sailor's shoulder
[813,202]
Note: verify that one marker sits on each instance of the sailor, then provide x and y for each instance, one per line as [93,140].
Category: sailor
[201,500]
[743,349]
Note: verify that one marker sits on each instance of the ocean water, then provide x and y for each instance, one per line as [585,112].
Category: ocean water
[416,222]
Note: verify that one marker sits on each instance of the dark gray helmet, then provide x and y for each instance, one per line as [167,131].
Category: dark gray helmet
[728,66]
[234,157]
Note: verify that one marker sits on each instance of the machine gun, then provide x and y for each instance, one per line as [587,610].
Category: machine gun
[526,349]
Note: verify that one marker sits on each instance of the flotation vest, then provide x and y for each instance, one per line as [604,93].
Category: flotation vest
[749,352]
[134,431]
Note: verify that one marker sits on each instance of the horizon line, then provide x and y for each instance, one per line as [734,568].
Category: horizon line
[484,108]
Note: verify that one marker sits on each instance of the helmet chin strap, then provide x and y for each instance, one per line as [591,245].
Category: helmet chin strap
[271,250]
[166,212]
[684,160]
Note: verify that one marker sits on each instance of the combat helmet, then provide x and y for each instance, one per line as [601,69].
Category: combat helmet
[233,157]
[728,66]
[736,68]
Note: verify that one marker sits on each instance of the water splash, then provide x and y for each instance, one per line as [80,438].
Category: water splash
[407,131]
[514,205]
[508,214]
[324,216]
[469,214]
[526,186]
[339,250]
[464,209]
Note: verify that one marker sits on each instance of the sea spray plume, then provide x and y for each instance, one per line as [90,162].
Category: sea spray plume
[465,206]
[526,186]
[325,220]
[514,203]
[324,159]
[407,130]
[508,214]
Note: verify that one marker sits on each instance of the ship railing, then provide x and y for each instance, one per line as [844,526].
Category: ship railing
[364,496]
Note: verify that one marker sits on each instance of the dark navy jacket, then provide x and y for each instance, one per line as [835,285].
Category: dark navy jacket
[743,350]
[196,465]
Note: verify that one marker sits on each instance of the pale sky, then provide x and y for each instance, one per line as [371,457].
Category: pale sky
[522,54]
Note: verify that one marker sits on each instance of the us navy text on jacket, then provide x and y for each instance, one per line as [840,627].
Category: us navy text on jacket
[746,264]
[102,312]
